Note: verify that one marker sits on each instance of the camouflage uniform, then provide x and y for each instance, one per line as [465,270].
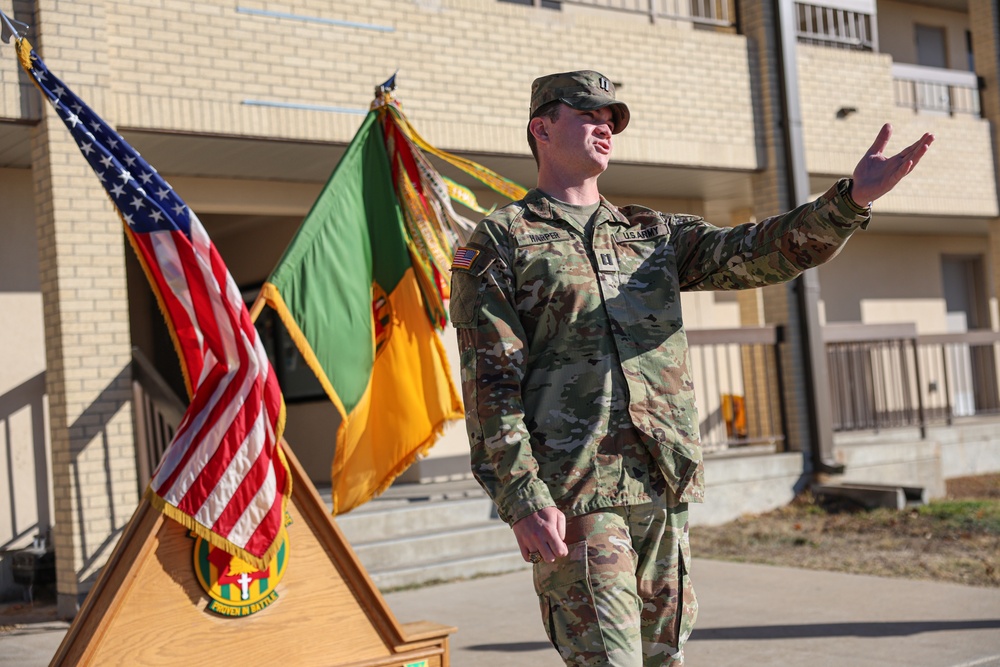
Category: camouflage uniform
[579,395]
[578,391]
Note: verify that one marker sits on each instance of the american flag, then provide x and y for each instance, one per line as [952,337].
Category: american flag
[224,475]
[464,257]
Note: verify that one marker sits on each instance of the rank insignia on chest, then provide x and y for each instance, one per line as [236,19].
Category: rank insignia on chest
[464,258]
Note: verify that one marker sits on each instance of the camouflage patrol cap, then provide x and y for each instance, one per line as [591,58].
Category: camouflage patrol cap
[584,90]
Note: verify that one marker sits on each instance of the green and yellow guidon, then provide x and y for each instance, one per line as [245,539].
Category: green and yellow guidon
[236,587]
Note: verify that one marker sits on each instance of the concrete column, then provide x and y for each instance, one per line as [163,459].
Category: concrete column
[774,305]
[88,351]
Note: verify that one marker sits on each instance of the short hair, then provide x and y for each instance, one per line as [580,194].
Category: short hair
[549,110]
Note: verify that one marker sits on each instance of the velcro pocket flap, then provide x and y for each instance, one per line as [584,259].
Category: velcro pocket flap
[564,572]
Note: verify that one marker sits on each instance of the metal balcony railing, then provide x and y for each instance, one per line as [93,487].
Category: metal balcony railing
[886,376]
[708,13]
[737,383]
[873,376]
[936,90]
[960,373]
[844,24]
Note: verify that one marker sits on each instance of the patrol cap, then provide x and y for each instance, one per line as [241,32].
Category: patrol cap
[585,90]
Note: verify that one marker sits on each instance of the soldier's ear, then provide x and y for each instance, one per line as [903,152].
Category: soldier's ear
[539,129]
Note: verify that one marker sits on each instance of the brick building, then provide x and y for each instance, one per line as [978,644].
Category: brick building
[245,106]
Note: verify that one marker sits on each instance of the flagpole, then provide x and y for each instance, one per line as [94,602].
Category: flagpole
[258,306]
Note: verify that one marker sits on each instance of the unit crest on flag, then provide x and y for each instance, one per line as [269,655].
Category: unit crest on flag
[382,312]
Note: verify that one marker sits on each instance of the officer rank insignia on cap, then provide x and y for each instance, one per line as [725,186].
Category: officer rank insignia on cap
[464,257]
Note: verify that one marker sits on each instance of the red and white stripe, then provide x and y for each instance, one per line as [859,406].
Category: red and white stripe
[222,468]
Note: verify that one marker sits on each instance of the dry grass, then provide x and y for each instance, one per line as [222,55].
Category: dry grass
[955,539]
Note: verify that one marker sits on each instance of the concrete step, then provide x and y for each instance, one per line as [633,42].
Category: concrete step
[871,496]
[413,518]
[399,494]
[415,534]
[463,568]
[434,547]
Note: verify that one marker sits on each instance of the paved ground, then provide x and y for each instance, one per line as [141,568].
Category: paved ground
[750,615]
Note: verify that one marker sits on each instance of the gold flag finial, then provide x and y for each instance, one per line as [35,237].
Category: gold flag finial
[383,91]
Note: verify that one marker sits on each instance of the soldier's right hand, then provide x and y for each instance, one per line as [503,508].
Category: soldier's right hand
[544,533]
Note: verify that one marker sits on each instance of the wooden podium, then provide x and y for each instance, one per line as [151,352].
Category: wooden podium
[148,608]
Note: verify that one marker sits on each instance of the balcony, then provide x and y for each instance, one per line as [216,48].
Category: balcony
[853,25]
[846,24]
[883,376]
[737,381]
[935,90]
[702,13]
[886,376]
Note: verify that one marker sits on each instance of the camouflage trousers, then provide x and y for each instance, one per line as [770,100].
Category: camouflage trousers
[623,595]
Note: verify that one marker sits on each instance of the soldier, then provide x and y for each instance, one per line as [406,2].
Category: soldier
[579,402]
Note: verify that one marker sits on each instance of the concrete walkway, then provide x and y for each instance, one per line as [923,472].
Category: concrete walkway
[750,615]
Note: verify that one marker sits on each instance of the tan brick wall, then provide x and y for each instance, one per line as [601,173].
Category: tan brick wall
[956,178]
[984,19]
[465,71]
[86,316]
[465,68]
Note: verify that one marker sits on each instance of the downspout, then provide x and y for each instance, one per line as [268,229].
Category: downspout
[813,352]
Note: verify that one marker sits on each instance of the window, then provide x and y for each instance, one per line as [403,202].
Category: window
[931,49]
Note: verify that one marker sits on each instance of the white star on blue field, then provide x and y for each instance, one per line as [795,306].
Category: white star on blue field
[145,201]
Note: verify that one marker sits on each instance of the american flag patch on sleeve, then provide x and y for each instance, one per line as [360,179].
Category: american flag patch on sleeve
[464,257]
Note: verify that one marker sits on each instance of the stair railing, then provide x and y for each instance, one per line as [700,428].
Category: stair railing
[157,413]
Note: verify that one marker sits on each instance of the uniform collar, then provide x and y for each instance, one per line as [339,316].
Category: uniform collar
[543,207]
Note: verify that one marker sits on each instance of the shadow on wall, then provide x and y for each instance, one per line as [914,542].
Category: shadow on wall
[22,413]
[26,509]
[89,429]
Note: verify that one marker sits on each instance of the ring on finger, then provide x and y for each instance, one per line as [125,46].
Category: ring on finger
[535,557]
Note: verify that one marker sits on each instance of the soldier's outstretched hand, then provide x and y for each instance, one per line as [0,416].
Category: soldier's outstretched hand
[876,174]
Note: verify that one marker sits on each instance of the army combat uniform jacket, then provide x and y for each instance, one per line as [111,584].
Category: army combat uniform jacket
[575,370]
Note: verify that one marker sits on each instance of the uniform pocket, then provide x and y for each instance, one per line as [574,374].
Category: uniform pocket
[564,572]
[466,294]
[567,602]
[468,273]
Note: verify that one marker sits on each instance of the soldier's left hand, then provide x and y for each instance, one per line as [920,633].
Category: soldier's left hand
[876,174]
